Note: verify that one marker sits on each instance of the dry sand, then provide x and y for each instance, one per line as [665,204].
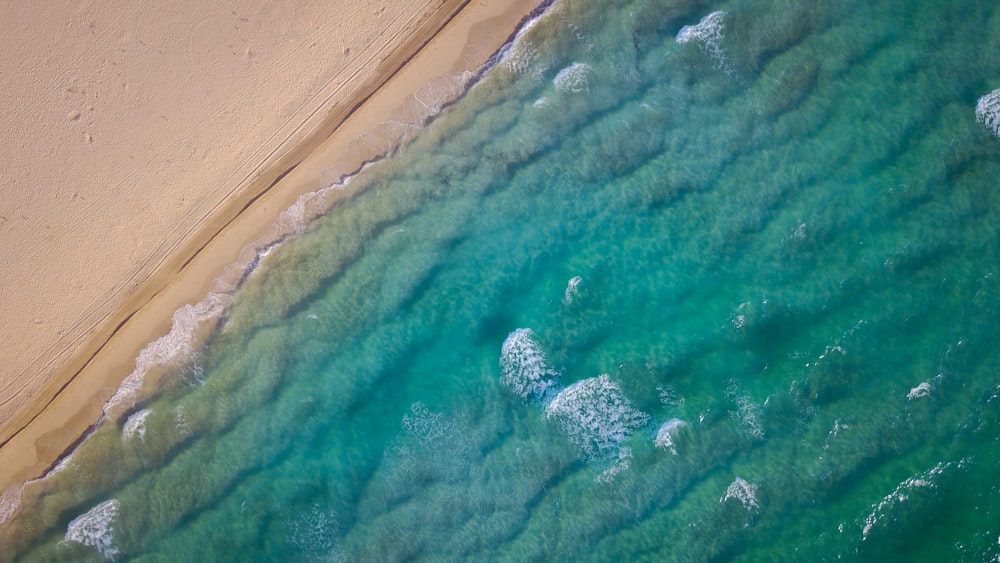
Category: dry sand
[146,144]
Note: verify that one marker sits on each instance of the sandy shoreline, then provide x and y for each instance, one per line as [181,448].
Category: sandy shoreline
[67,355]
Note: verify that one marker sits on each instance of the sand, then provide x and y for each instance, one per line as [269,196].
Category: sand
[147,144]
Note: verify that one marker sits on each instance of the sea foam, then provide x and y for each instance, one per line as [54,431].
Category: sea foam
[572,289]
[573,79]
[93,528]
[524,369]
[922,390]
[135,426]
[988,111]
[175,346]
[667,433]
[595,414]
[708,34]
[743,491]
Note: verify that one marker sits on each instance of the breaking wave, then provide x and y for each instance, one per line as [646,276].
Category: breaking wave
[909,492]
[135,426]
[708,34]
[573,79]
[524,370]
[93,528]
[595,414]
[988,111]
[744,492]
[667,434]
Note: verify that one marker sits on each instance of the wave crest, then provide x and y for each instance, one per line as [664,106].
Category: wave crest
[93,528]
[524,369]
[573,79]
[135,426]
[595,414]
[988,111]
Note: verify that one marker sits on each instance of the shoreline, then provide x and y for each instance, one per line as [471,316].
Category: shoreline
[458,37]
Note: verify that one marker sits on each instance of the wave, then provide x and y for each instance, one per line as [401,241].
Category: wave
[595,414]
[744,492]
[93,528]
[667,434]
[907,496]
[173,348]
[922,390]
[988,111]
[421,107]
[135,426]
[524,370]
[572,290]
[573,79]
[403,125]
[708,34]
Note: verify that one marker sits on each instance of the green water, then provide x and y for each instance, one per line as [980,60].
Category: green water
[782,233]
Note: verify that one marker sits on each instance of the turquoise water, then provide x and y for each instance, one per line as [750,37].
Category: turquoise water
[646,292]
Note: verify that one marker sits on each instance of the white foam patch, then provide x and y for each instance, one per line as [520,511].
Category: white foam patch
[667,434]
[595,414]
[709,30]
[573,79]
[922,390]
[620,465]
[743,491]
[988,112]
[521,56]
[746,413]
[572,289]
[135,426]
[708,34]
[93,528]
[883,509]
[524,369]
[739,318]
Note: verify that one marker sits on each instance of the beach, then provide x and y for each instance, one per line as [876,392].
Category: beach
[699,281]
[151,145]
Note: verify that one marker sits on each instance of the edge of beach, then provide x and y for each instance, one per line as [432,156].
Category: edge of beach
[459,37]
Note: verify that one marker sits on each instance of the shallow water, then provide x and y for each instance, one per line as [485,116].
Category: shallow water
[647,292]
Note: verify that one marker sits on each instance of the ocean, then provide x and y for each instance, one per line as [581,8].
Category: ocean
[673,281]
